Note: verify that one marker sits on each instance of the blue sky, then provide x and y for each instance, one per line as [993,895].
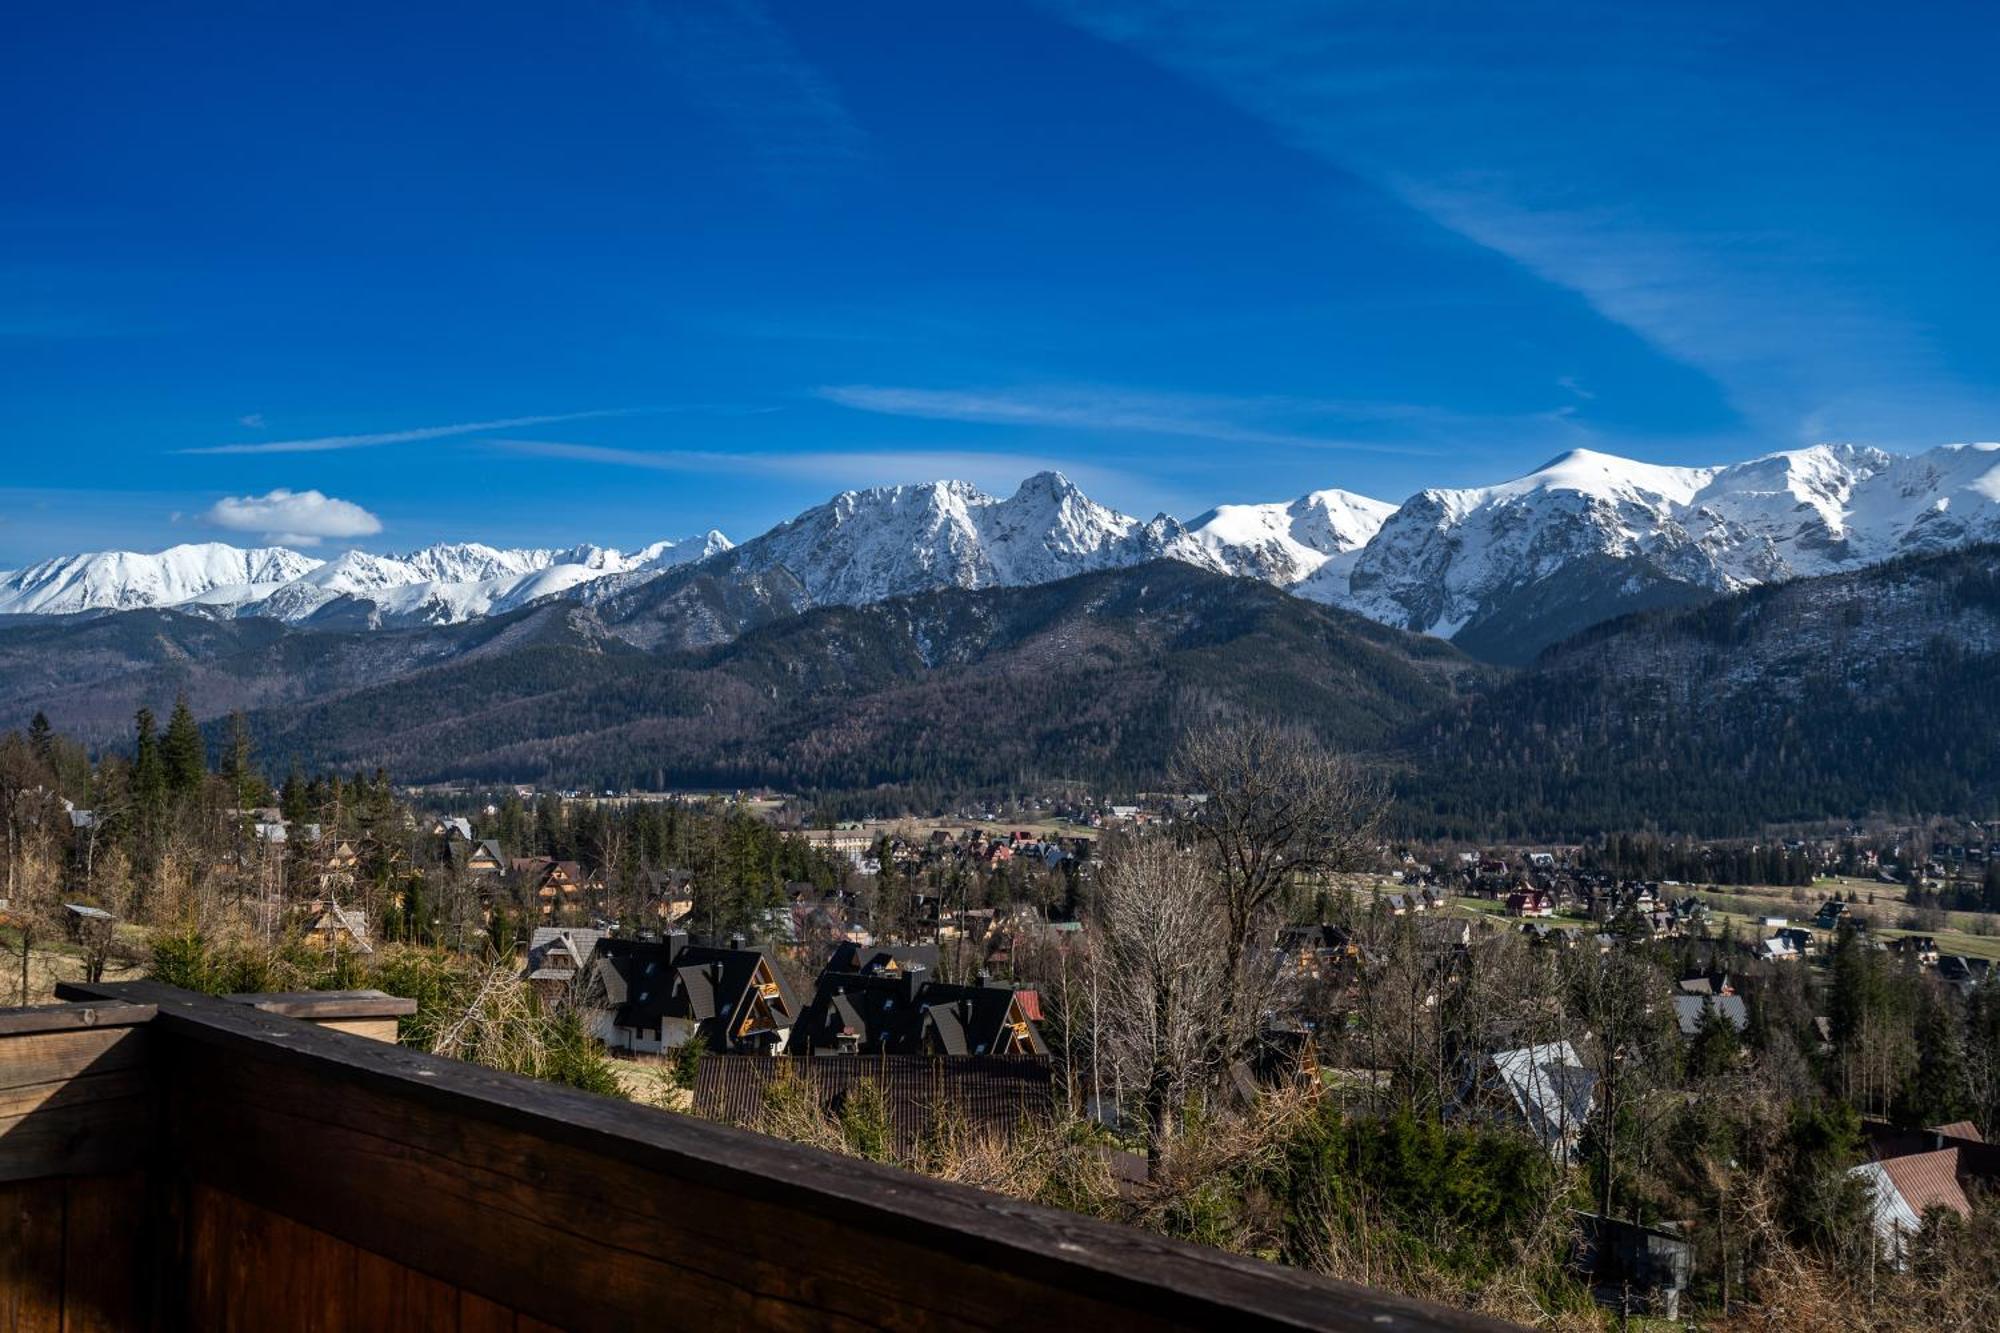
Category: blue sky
[544,273]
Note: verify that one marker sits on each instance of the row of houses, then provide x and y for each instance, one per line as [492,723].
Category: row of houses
[646,996]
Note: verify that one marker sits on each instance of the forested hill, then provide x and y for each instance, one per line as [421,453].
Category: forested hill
[1872,692]
[1090,679]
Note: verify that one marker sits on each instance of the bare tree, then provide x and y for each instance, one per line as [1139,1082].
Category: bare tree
[1165,976]
[1277,806]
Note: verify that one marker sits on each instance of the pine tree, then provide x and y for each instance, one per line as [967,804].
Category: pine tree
[1934,1093]
[41,738]
[149,775]
[293,799]
[182,753]
[245,783]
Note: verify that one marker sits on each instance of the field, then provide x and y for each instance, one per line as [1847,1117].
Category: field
[1969,934]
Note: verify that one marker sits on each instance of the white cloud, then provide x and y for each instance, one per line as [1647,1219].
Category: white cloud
[254,420]
[293,518]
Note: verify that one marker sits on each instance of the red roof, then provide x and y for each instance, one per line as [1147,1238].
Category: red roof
[1928,1180]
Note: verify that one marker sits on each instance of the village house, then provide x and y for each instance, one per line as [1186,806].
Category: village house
[655,995]
[1923,948]
[886,1002]
[557,955]
[556,886]
[1543,1088]
[329,926]
[1902,1189]
[1531,903]
[484,860]
[1690,1011]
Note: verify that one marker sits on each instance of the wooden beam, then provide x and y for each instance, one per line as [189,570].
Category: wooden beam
[68,1017]
[322,1005]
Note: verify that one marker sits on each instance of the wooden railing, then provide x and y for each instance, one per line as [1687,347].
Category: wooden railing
[171,1160]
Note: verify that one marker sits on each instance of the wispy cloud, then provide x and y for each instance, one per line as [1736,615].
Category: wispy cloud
[295,518]
[1246,421]
[329,443]
[1704,201]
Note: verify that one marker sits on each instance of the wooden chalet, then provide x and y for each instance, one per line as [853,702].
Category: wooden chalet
[887,1002]
[557,955]
[653,995]
[485,860]
[556,886]
[171,1160]
[329,926]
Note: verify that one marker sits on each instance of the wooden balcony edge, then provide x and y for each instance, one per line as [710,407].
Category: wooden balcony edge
[1171,1280]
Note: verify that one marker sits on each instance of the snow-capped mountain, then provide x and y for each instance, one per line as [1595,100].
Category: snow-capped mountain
[126,580]
[864,546]
[1282,543]
[1594,534]
[1502,570]
[440,584]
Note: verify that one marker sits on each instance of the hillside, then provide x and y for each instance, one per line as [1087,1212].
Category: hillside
[1087,679]
[1871,692]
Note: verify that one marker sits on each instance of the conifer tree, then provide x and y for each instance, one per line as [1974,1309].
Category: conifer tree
[182,753]
[149,774]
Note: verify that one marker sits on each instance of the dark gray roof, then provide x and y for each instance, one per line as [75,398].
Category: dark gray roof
[1688,1010]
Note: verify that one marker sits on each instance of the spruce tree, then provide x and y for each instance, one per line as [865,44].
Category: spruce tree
[245,783]
[41,738]
[149,775]
[181,753]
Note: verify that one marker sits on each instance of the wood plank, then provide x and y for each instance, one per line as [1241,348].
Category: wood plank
[104,1258]
[31,1256]
[74,1102]
[84,1138]
[57,1056]
[68,1017]
[324,1004]
[373,1029]
[208,1218]
[390,1298]
[476,1314]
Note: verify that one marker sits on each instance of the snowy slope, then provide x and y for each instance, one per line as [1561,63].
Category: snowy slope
[125,580]
[1282,543]
[1448,559]
[440,584]
[864,546]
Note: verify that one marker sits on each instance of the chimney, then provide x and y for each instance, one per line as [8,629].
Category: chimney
[676,941]
[736,941]
[983,978]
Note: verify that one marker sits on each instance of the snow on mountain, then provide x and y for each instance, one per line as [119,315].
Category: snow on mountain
[1282,543]
[1449,559]
[1504,569]
[440,584]
[864,546]
[127,580]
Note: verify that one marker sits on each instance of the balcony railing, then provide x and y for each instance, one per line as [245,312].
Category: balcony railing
[171,1160]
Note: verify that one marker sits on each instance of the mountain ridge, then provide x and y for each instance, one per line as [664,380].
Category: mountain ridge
[1504,570]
